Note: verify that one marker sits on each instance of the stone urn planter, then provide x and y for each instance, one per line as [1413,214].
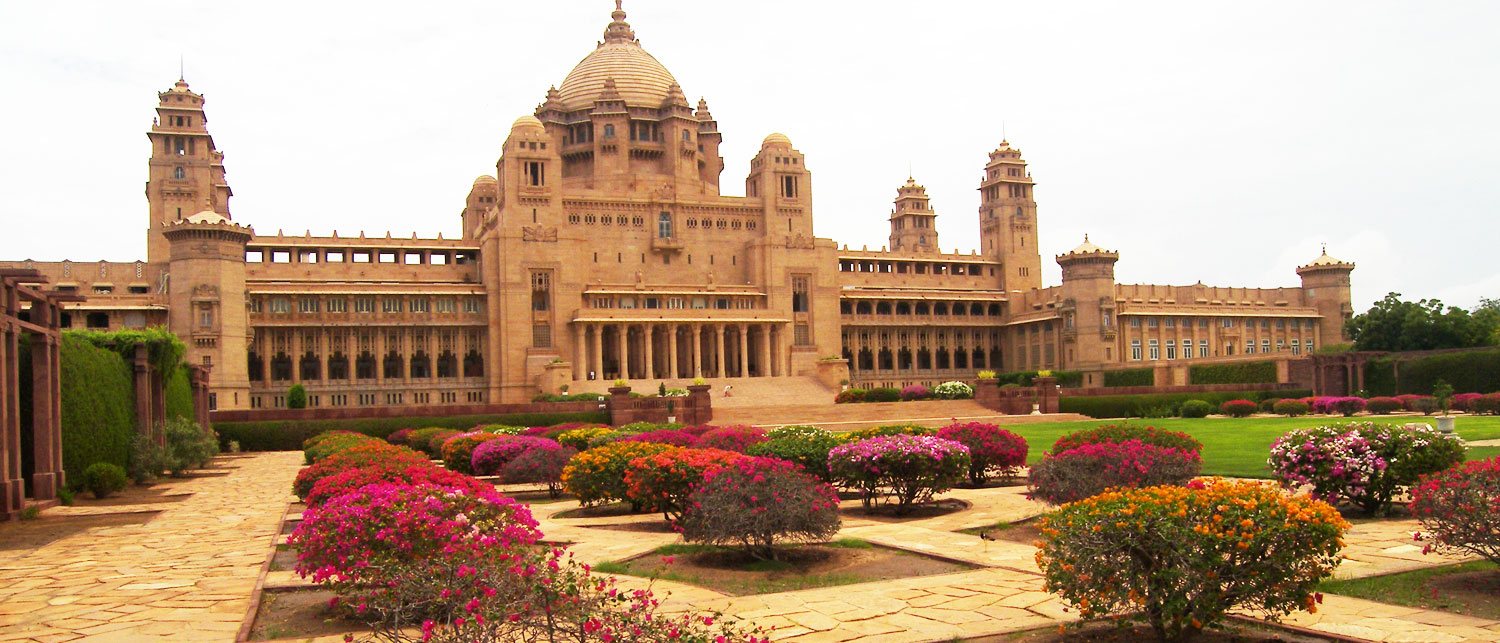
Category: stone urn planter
[1445,423]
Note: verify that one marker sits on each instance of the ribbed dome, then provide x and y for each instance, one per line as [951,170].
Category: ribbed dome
[776,138]
[207,216]
[484,179]
[639,77]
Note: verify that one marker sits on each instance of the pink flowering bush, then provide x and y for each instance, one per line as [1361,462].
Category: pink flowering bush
[1090,469]
[732,438]
[915,392]
[1362,463]
[1465,401]
[540,465]
[755,502]
[1239,408]
[908,469]
[369,453]
[674,437]
[458,451]
[991,449]
[399,436]
[352,479]
[492,456]
[1460,508]
[1486,404]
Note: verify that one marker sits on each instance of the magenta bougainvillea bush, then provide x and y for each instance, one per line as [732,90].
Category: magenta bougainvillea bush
[1345,406]
[992,450]
[1089,469]
[732,438]
[1460,508]
[458,451]
[353,478]
[754,503]
[541,465]
[492,456]
[674,437]
[1362,463]
[915,392]
[369,453]
[905,469]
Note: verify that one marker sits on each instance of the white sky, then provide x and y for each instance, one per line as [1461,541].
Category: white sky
[1206,141]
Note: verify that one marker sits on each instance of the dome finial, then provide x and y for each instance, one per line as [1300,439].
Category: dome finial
[1325,249]
[618,30]
[1085,237]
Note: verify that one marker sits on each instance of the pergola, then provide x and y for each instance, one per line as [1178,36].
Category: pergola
[40,320]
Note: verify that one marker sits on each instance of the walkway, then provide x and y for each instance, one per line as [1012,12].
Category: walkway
[186,574]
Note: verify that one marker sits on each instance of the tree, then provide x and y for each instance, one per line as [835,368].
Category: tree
[1396,325]
[296,397]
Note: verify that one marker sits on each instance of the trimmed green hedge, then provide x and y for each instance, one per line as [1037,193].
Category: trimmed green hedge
[1068,379]
[180,395]
[1380,377]
[1130,377]
[98,407]
[1159,404]
[1475,371]
[287,435]
[1241,373]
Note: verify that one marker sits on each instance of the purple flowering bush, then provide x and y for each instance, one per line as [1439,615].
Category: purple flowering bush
[908,469]
[1362,464]
[492,456]
[540,465]
[1089,469]
[915,392]
[755,502]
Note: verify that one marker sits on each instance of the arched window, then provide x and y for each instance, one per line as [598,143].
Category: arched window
[447,364]
[311,367]
[257,368]
[393,365]
[281,367]
[421,365]
[338,366]
[473,364]
[364,366]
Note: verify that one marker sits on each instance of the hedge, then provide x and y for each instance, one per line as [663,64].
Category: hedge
[287,435]
[1159,404]
[1068,379]
[180,395]
[1475,371]
[1130,377]
[98,406]
[1241,373]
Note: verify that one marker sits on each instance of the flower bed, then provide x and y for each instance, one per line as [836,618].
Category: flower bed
[807,446]
[908,469]
[372,453]
[351,479]
[662,481]
[492,456]
[732,438]
[540,465]
[1123,432]
[1460,508]
[458,451]
[1362,463]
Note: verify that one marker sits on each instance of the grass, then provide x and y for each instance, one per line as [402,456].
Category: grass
[1412,589]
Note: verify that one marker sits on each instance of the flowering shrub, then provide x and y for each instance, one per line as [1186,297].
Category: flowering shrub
[676,438]
[399,436]
[1345,406]
[1418,403]
[1239,408]
[662,481]
[492,456]
[500,429]
[1088,470]
[807,446]
[1383,405]
[1196,409]
[551,432]
[458,451]
[1459,508]
[1123,432]
[1268,405]
[581,439]
[642,427]
[1486,405]
[1291,408]
[850,396]
[431,442]
[1180,558]
[328,443]
[906,468]
[540,465]
[915,392]
[755,502]
[598,474]
[372,453]
[882,394]
[991,449]
[352,479]
[889,429]
[953,391]
[732,438]
[1465,402]
[1362,463]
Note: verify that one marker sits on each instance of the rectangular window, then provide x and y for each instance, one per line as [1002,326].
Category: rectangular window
[446,305]
[801,335]
[674,303]
[421,304]
[412,259]
[536,174]
[1265,346]
[253,304]
[281,256]
[360,256]
[390,304]
[338,305]
[1152,322]
[700,303]
[789,187]
[664,224]
[1228,323]
[1135,322]
[471,306]
[307,256]
[541,290]
[281,305]
[307,305]
[1171,322]
[364,304]
[1155,350]
[1202,348]
[334,256]
[604,302]
[206,317]
[1296,347]
[799,294]
[1250,347]
[541,336]
[627,302]
[387,256]
[1135,349]
[1171,348]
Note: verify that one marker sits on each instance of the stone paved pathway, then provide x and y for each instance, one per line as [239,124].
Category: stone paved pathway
[187,574]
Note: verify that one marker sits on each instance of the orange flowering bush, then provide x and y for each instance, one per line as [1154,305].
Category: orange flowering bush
[458,451]
[1179,558]
[662,481]
[598,474]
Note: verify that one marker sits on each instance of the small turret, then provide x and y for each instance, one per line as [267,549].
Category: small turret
[913,221]
[1325,284]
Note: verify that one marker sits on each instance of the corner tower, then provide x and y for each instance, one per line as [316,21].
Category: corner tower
[1325,284]
[1007,218]
[913,223]
[1088,306]
[207,290]
[185,171]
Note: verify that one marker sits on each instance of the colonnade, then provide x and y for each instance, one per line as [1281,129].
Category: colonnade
[668,350]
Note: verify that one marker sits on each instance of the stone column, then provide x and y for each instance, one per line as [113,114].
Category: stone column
[696,351]
[648,334]
[580,352]
[45,436]
[624,335]
[672,370]
[598,363]
[380,351]
[142,370]
[719,370]
[765,350]
[774,337]
[12,487]
[742,330]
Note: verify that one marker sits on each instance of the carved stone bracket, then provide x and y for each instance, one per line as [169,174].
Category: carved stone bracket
[539,233]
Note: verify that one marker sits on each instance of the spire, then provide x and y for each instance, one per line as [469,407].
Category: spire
[618,30]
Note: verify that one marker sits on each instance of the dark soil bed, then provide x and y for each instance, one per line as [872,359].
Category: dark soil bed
[1231,631]
[300,614]
[50,527]
[284,560]
[887,513]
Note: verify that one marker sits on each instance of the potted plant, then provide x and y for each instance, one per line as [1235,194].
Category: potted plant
[671,412]
[1443,391]
[621,387]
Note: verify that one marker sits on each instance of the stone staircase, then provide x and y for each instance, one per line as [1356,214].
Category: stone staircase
[746,392]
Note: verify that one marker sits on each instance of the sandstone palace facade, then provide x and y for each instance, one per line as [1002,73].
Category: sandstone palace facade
[603,248]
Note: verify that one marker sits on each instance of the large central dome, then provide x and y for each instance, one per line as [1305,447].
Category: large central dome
[639,77]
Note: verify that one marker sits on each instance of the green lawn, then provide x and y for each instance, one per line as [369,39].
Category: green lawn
[1239,447]
[1421,588]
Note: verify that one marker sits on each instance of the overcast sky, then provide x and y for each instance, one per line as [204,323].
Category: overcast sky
[1211,141]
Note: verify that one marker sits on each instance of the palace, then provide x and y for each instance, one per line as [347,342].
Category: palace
[602,248]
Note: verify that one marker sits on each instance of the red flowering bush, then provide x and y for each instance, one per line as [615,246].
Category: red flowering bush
[539,465]
[404,473]
[754,503]
[458,451]
[399,436]
[1348,406]
[909,469]
[372,453]
[732,438]
[662,481]
[328,443]
[1362,463]
[598,474]
[1088,470]
[1122,432]
[1464,402]
[1383,405]
[491,456]
[1180,558]
[674,437]
[991,449]
[1460,508]
[1239,408]
[1486,405]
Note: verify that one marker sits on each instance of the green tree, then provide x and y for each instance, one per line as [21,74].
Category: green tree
[1393,324]
[296,397]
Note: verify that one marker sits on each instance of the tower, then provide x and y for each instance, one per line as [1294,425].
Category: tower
[1325,284]
[1088,306]
[780,179]
[185,169]
[206,252]
[913,222]
[1007,218]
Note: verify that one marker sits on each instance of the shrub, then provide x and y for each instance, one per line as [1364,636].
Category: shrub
[807,446]
[147,459]
[1426,405]
[1237,373]
[676,438]
[1291,408]
[1117,406]
[540,465]
[1180,558]
[1383,405]
[1487,405]
[491,456]
[598,474]
[986,375]
[1196,409]
[1348,406]
[1465,401]
[662,481]
[732,438]
[991,449]
[755,502]
[501,429]
[1239,408]
[433,447]
[1089,469]
[323,445]
[915,392]
[1457,507]
[887,430]
[104,479]
[850,396]
[582,438]
[401,472]
[296,397]
[400,436]
[907,468]
[1130,377]
[953,391]
[643,427]
[458,451]
[1122,432]
[371,454]
[188,445]
[419,438]
[286,435]
[98,405]
[1362,463]
[883,395]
